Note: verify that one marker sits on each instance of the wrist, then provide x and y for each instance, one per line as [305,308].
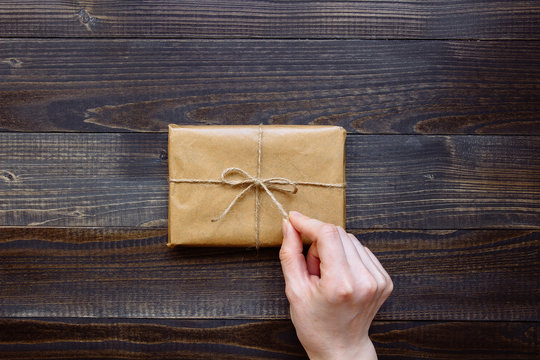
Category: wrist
[360,351]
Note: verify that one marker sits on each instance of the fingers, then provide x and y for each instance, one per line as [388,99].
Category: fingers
[333,261]
[389,283]
[292,259]
[375,261]
[369,264]
[313,261]
[384,283]
[350,250]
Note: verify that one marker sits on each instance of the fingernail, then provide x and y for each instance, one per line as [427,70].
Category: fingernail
[294,213]
[284,227]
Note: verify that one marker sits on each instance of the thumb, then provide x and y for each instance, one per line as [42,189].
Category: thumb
[292,259]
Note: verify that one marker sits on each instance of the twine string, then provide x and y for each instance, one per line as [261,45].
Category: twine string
[257,189]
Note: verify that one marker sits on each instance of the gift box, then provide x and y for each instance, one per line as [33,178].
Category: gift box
[233,185]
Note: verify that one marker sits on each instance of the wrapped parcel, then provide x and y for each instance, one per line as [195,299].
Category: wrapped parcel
[233,185]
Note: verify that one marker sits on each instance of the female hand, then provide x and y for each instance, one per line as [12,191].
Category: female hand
[334,292]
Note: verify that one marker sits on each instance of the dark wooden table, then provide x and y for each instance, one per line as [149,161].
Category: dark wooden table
[441,100]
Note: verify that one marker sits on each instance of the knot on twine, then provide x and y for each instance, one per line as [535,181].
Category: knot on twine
[230,176]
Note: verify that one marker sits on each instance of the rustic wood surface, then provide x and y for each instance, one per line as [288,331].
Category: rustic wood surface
[479,19]
[407,182]
[261,339]
[438,275]
[376,87]
[442,103]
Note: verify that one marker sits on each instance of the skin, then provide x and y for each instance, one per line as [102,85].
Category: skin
[334,292]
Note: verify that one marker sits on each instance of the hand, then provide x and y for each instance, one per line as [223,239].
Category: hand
[334,292]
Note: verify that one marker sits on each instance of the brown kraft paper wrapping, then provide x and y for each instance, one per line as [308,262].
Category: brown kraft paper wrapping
[309,154]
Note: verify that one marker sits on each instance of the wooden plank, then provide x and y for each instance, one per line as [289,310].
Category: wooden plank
[402,87]
[456,340]
[454,182]
[438,275]
[480,19]
[405,182]
[84,338]
[239,339]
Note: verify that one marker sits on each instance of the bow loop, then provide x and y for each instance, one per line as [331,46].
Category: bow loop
[281,184]
[235,176]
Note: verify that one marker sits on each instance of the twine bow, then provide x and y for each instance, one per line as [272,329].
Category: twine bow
[238,177]
[275,183]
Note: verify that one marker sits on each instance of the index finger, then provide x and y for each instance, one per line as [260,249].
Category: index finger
[329,244]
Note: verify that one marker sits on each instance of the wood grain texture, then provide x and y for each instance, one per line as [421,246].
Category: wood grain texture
[84,270]
[405,182]
[438,275]
[239,339]
[479,19]
[84,338]
[377,87]
[456,340]
[455,182]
